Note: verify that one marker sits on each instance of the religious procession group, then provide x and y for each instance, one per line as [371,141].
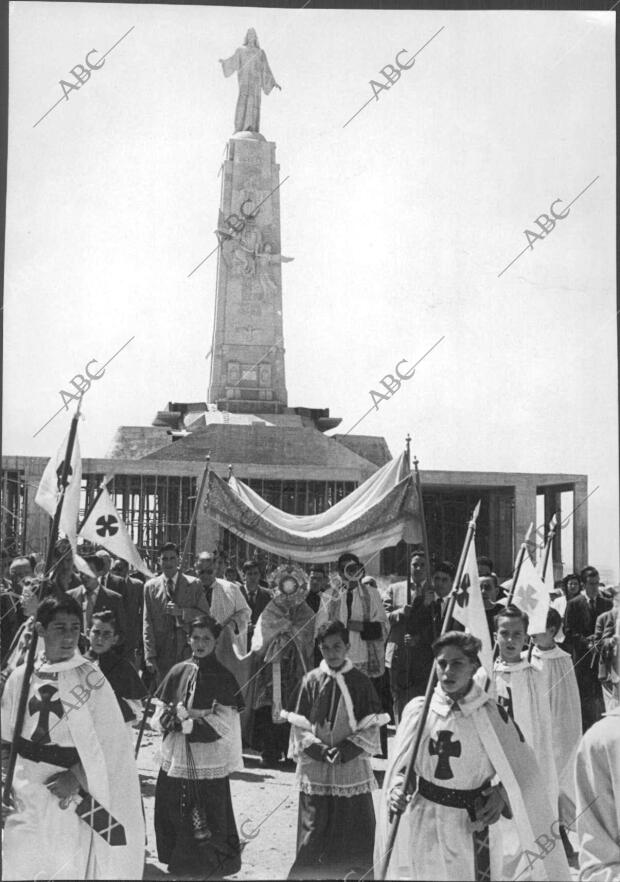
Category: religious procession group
[486,775]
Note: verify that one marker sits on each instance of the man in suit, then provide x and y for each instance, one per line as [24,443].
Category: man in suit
[171,602]
[579,624]
[408,655]
[132,592]
[607,638]
[489,586]
[226,603]
[317,583]
[256,596]
[63,574]
[93,597]
[109,579]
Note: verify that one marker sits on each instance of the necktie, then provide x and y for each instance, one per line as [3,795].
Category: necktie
[209,594]
[593,611]
[349,601]
[170,589]
[88,610]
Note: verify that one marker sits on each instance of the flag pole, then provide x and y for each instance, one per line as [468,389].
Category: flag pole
[427,555]
[29,663]
[192,523]
[519,564]
[147,707]
[91,507]
[395,817]
[548,544]
[545,560]
[408,547]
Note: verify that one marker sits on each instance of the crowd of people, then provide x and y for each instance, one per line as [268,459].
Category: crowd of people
[307,672]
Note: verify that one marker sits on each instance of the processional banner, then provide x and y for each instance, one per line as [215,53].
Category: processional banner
[377,514]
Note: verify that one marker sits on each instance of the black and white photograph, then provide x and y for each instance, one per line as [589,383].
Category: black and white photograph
[310,501]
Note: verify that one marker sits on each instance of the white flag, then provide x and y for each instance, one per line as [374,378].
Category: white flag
[48,494]
[104,527]
[531,596]
[469,609]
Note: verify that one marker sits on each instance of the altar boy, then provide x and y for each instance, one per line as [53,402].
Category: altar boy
[562,696]
[472,771]
[335,731]
[76,795]
[521,693]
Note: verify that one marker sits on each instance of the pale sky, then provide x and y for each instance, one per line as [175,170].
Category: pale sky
[399,223]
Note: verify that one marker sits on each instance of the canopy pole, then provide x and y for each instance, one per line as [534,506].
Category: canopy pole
[192,523]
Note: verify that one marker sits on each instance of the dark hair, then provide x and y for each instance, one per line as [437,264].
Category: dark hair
[419,552]
[346,557]
[554,620]
[512,612]
[249,564]
[107,617]
[568,578]
[491,576]
[230,566]
[330,629]
[445,567]
[467,643]
[95,563]
[205,621]
[483,561]
[169,546]
[53,605]
[588,571]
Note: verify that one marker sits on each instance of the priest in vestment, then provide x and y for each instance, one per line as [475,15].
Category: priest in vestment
[254,75]
[281,654]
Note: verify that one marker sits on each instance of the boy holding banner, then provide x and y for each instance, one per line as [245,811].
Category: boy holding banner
[472,767]
[77,812]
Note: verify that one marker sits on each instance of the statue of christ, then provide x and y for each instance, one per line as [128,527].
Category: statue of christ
[254,74]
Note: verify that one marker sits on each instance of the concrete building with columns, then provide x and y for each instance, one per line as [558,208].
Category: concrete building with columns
[282,452]
[301,471]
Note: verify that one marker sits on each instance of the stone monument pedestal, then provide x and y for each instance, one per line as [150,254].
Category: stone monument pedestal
[247,366]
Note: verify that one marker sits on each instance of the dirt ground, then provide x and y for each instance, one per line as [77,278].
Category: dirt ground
[265,805]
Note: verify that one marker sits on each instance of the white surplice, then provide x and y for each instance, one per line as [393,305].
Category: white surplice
[41,840]
[598,800]
[562,694]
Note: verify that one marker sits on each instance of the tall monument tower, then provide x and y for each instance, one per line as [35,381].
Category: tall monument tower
[247,361]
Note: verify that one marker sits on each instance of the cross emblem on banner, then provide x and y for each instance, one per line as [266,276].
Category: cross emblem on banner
[443,747]
[525,597]
[59,475]
[45,705]
[106,525]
